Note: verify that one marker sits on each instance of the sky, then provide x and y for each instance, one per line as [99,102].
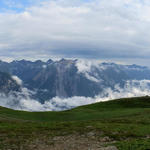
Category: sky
[114,30]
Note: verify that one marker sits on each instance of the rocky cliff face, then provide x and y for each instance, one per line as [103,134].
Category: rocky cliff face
[67,78]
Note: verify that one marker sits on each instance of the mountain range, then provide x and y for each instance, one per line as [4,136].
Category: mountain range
[67,78]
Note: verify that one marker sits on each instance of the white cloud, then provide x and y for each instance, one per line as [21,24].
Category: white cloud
[23,101]
[77,29]
[92,78]
[85,67]
[17,79]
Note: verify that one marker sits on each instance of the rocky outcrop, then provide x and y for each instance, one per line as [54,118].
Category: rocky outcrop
[8,84]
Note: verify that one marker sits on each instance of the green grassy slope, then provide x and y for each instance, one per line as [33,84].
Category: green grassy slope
[127,107]
[126,121]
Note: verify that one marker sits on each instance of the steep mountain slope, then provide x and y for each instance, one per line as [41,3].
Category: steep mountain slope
[68,78]
[8,84]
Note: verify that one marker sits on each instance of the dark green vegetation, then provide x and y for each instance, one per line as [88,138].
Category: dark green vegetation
[125,121]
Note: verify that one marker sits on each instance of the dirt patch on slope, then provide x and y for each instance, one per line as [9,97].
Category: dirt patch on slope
[73,142]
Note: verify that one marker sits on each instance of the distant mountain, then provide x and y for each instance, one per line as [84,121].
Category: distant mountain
[8,84]
[67,78]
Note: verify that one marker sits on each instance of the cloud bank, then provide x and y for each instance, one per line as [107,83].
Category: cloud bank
[64,28]
[18,80]
[23,101]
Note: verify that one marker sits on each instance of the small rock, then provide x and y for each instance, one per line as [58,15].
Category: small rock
[89,126]
[148,136]
[105,139]
[90,134]
[109,148]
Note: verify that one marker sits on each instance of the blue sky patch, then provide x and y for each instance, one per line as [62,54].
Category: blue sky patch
[16,5]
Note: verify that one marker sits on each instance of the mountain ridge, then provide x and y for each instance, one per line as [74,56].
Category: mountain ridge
[67,78]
